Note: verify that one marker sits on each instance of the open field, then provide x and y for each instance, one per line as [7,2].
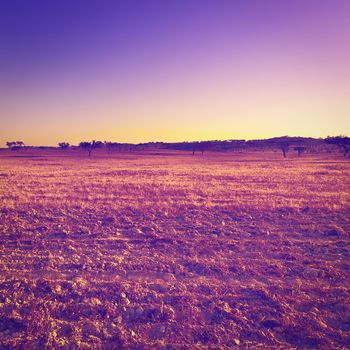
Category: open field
[174,251]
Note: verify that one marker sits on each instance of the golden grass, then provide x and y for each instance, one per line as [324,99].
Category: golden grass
[171,251]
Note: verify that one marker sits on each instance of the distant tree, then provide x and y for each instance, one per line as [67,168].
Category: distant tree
[343,142]
[108,145]
[63,145]
[284,146]
[204,146]
[300,150]
[90,146]
[14,145]
[111,145]
[193,146]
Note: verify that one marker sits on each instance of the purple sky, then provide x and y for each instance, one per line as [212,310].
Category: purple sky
[165,70]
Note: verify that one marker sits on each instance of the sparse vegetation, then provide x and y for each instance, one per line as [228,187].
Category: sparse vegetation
[63,145]
[343,142]
[141,251]
[114,145]
[300,150]
[284,143]
[14,145]
[90,146]
[284,146]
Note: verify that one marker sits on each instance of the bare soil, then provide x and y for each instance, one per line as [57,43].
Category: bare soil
[174,251]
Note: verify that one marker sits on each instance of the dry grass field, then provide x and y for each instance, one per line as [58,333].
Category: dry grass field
[174,251]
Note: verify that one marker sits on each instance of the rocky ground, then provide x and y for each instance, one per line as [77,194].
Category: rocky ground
[174,251]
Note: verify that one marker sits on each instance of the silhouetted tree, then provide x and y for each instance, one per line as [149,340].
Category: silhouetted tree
[63,145]
[300,150]
[204,146]
[193,147]
[111,145]
[108,145]
[343,142]
[90,146]
[13,145]
[284,146]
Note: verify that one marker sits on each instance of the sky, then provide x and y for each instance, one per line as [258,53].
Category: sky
[158,70]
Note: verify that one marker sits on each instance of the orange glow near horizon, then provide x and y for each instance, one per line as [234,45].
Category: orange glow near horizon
[179,78]
[188,110]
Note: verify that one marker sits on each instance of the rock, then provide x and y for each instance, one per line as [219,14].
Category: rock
[95,301]
[168,312]
[124,300]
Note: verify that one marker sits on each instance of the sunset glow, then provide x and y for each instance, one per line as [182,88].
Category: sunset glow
[135,71]
[174,174]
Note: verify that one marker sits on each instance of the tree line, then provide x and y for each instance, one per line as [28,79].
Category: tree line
[284,144]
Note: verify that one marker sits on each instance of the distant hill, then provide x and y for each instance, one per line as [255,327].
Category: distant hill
[309,145]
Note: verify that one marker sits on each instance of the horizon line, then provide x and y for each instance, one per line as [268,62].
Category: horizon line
[184,141]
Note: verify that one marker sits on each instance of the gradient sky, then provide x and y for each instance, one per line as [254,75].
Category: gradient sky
[135,71]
